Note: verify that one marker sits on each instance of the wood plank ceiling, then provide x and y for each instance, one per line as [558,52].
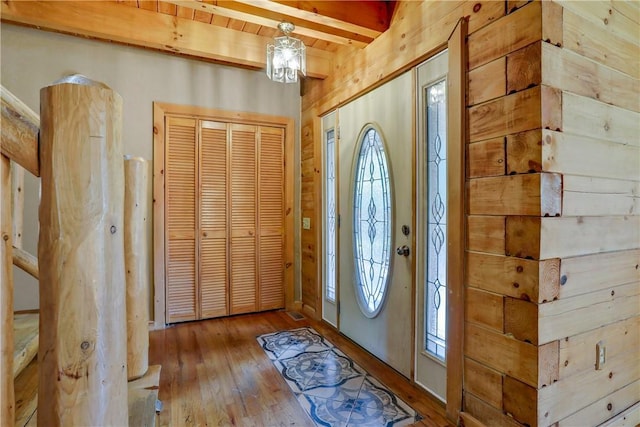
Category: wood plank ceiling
[225,31]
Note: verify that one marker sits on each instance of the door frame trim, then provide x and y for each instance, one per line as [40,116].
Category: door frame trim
[456,178]
[160,111]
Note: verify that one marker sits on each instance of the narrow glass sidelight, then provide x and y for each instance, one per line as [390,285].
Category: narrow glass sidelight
[330,247]
[436,242]
[371,222]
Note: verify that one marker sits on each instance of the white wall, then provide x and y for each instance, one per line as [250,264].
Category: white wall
[32,59]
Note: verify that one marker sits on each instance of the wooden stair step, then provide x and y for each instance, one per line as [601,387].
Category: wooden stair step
[26,394]
[143,394]
[25,326]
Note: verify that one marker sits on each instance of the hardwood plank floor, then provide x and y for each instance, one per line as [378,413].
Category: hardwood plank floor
[214,373]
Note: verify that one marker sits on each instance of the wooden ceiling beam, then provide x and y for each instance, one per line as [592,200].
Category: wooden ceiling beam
[115,22]
[366,17]
[266,18]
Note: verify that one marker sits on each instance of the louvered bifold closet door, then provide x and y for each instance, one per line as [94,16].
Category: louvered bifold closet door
[243,175]
[180,197]
[213,220]
[270,218]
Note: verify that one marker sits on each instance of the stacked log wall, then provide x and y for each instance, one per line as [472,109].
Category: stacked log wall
[554,167]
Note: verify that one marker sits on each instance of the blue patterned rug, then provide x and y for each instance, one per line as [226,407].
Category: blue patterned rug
[331,388]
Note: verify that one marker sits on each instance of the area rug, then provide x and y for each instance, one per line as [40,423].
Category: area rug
[332,388]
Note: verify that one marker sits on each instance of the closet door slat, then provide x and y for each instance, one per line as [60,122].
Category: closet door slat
[213,220]
[180,197]
[243,177]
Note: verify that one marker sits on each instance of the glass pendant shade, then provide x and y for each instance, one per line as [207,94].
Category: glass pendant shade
[286,57]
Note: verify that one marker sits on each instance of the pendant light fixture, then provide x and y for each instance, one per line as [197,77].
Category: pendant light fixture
[286,57]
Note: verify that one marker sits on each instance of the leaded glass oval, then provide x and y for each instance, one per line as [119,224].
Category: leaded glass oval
[371,222]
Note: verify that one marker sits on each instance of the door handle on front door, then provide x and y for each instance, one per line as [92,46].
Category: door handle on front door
[403,250]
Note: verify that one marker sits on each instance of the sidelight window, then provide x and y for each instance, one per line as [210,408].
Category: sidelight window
[436,277]
[330,247]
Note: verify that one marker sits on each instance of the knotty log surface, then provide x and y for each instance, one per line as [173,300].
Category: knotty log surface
[82,356]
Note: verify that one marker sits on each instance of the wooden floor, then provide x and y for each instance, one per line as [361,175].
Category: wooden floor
[214,373]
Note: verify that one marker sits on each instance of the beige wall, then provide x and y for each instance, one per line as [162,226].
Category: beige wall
[32,59]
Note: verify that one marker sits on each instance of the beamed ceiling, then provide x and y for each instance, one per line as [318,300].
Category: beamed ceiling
[225,31]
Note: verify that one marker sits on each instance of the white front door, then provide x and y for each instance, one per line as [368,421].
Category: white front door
[376,212]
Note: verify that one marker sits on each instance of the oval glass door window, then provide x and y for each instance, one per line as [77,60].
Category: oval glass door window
[371,222]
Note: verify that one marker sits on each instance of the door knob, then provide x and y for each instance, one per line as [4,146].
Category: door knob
[403,250]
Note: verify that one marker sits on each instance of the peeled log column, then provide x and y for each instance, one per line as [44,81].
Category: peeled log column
[136,171]
[7,401]
[82,356]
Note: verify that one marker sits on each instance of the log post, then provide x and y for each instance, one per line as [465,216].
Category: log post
[82,352]
[17,191]
[26,262]
[136,252]
[7,401]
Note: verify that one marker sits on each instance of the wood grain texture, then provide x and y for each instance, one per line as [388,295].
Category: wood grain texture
[158,210]
[487,82]
[620,403]
[419,30]
[587,196]
[7,407]
[552,19]
[506,35]
[486,158]
[82,284]
[557,401]
[142,397]
[533,108]
[601,45]
[486,234]
[468,420]
[484,308]
[544,238]
[524,152]
[534,365]
[486,414]
[567,317]
[520,401]
[26,262]
[577,351]
[588,117]
[483,382]
[154,30]
[136,252]
[20,127]
[569,71]
[214,372]
[599,158]
[26,389]
[529,280]
[181,217]
[456,143]
[523,68]
[25,331]
[589,273]
[529,194]
[602,15]
[17,203]
[521,319]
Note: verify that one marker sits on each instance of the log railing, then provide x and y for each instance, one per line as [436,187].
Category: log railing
[86,226]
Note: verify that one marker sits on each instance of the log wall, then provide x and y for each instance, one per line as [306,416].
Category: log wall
[553,226]
[553,222]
